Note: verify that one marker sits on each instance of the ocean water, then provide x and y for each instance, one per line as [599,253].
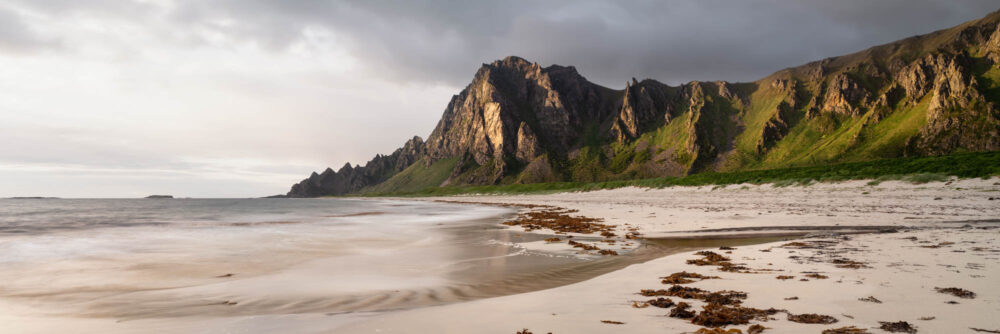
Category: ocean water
[134,258]
[248,265]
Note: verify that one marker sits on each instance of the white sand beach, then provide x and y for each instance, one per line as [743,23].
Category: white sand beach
[905,239]
[944,235]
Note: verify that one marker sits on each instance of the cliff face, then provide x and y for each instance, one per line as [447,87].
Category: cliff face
[518,122]
[515,111]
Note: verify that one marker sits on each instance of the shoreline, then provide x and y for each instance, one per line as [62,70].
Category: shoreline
[883,228]
[906,239]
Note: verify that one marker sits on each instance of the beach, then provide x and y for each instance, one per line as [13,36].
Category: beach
[907,240]
[857,252]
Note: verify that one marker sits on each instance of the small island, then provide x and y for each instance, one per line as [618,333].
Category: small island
[160,196]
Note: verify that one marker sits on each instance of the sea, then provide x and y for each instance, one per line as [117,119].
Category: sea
[124,260]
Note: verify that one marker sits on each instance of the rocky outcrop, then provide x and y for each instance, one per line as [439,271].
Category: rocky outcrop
[350,179]
[844,95]
[775,128]
[958,115]
[645,105]
[517,110]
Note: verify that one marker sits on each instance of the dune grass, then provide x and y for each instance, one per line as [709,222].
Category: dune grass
[911,169]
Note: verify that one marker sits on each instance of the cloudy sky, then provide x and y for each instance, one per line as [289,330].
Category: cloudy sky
[224,98]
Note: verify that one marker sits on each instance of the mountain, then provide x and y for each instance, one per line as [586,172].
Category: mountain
[518,122]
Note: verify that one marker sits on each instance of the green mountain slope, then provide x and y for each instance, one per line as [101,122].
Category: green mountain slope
[518,122]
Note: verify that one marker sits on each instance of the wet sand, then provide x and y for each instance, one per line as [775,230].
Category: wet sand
[904,241]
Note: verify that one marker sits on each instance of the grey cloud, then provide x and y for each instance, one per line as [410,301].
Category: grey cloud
[609,41]
[673,41]
[17,37]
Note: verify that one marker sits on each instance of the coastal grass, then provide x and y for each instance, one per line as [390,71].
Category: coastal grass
[909,169]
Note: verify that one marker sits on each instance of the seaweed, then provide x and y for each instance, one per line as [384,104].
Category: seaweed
[715,315]
[849,264]
[660,302]
[957,292]
[637,305]
[817,276]
[684,277]
[682,311]
[710,258]
[784,277]
[846,330]
[871,299]
[553,240]
[756,329]
[985,330]
[811,318]
[613,322]
[724,297]
[559,220]
[583,246]
[718,331]
[897,327]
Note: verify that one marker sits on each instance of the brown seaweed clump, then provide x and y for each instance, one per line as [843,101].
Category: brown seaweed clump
[784,277]
[724,297]
[756,329]
[553,240]
[716,315]
[957,292]
[897,327]
[811,318]
[817,276]
[871,299]
[613,322]
[607,252]
[526,331]
[661,302]
[849,264]
[682,310]
[684,277]
[846,330]
[559,220]
[710,258]
[718,331]
[583,246]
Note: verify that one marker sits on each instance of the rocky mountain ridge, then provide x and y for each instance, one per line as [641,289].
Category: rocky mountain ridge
[518,122]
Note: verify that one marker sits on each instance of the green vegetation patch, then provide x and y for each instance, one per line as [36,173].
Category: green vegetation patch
[912,169]
[416,177]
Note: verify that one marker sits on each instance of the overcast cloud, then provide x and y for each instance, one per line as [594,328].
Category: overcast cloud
[105,98]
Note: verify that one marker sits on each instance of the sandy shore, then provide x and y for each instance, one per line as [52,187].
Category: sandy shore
[893,242]
[919,237]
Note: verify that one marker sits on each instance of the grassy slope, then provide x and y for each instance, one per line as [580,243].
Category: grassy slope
[823,139]
[920,169]
[416,177]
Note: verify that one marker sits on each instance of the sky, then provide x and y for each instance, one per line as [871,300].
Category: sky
[243,98]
